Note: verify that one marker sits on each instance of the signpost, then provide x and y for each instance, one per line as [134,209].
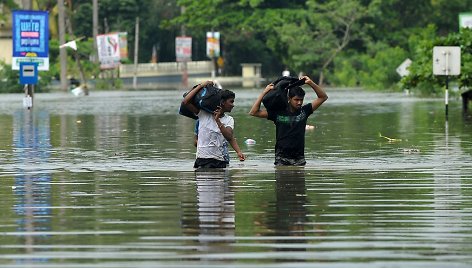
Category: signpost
[30,34]
[29,78]
[446,61]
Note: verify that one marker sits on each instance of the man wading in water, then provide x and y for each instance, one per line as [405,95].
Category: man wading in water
[290,123]
[214,130]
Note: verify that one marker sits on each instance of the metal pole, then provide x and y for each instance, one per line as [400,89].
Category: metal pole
[95,30]
[136,44]
[27,4]
[446,95]
[31,93]
[62,40]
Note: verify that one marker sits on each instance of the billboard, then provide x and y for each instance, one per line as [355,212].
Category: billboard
[183,48]
[213,44]
[30,34]
[109,53]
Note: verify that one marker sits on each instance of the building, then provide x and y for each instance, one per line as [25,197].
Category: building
[6,43]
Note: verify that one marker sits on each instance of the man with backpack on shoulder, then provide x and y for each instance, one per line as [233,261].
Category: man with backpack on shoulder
[290,121]
[215,130]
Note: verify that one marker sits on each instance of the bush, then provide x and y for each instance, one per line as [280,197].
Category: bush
[9,79]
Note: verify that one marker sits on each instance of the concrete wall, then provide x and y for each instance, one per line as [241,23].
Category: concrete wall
[6,50]
[165,68]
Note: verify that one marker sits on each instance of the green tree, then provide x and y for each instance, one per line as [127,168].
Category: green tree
[421,76]
[302,35]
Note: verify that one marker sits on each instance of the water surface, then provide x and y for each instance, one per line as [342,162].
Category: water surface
[107,181]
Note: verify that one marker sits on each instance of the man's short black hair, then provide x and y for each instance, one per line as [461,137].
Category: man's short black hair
[227,94]
[296,91]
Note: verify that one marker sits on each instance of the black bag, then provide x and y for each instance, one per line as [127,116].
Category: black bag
[277,98]
[183,110]
[207,98]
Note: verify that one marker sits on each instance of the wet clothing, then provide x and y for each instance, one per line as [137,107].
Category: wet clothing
[290,135]
[209,163]
[212,145]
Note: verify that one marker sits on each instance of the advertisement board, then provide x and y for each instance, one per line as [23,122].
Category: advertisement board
[183,48]
[30,34]
[213,44]
[109,54]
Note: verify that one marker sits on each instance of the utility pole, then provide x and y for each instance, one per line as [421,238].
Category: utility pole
[62,40]
[95,30]
[27,4]
[83,79]
[136,44]
[184,63]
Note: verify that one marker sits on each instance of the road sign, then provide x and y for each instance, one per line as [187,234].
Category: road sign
[446,60]
[465,20]
[28,73]
[402,69]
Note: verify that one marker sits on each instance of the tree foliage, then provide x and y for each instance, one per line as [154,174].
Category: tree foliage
[340,42]
[421,71]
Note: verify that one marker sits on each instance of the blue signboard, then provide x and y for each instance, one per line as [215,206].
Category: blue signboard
[31,38]
[28,73]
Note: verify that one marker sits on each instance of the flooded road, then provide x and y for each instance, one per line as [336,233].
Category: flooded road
[107,181]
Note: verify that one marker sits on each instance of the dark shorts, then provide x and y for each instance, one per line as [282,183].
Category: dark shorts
[281,160]
[209,163]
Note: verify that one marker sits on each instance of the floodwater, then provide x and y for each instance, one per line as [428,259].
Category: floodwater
[107,181]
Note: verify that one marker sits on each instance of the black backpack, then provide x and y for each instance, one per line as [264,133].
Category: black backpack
[207,99]
[277,98]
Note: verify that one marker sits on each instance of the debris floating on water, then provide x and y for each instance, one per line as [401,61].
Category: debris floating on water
[250,142]
[410,150]
[309,127]
[389,139]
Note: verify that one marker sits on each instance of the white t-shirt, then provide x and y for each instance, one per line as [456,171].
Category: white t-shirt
[211,142]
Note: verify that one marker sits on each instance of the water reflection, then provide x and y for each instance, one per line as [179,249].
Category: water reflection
[215,215]
[32,187]
[290,217]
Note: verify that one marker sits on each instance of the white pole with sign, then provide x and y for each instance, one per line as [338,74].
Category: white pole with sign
[446,61]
